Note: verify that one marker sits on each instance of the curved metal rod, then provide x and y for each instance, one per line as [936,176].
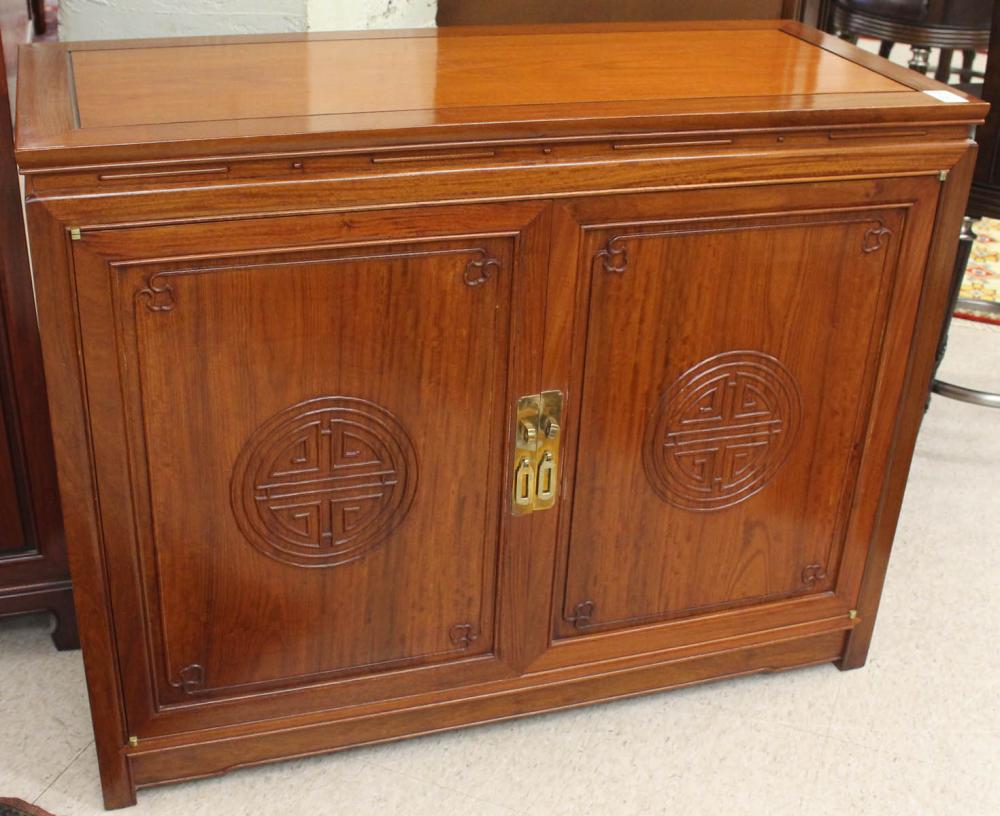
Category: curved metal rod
[962,394]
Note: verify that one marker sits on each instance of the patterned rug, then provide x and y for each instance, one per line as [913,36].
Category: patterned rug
[979,297]
[18,807]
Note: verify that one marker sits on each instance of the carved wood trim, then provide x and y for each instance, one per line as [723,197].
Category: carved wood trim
[190,679]
[875,237]
[463,635]
[614,256]
[813,575]
[737,383]
[262,482]
[158,294]
[582,614]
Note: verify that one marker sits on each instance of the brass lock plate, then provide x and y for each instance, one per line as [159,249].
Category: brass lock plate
[537,438]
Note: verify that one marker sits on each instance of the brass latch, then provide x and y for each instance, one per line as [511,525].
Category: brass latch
[537,433]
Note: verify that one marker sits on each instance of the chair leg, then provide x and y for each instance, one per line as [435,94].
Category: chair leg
[885,49]
[37,9]
[968,58]
[943,72]
[920,57]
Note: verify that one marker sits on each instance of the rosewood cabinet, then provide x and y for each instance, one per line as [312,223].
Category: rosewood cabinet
[387,407]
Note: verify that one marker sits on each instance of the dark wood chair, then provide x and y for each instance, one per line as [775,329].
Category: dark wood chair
[491,12]
[951,25]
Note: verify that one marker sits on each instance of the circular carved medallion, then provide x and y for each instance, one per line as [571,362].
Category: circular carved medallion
[722,430]
[324,481]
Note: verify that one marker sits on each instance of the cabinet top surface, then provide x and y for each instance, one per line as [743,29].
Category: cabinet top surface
[162,99]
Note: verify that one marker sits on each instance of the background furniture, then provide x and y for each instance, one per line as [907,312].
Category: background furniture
[34,574]
[521,12]
[984,200]
[587,362]
[950,25]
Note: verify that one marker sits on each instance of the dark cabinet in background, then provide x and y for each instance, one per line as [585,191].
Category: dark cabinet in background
[34,575]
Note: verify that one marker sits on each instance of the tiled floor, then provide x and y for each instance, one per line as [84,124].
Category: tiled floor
[915,732]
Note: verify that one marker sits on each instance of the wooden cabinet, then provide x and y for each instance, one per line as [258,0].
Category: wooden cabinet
[34,575]
[382,409]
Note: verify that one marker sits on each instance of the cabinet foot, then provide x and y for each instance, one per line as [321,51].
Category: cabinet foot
[57,599]
[858,642]
[65,635]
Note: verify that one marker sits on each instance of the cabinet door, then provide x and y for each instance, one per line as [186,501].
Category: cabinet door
[12,539]
[306,472]
[731,347]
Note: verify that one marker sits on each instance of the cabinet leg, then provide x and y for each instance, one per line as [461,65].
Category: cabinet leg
[57,599]
[118,796]
[859,641]
[65,635]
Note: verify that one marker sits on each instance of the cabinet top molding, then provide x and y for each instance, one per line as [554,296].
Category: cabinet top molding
[183,99]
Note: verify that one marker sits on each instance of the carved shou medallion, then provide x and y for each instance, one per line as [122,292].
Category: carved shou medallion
[324,482]
[722,430]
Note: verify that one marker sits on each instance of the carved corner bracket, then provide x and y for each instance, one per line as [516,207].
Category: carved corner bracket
[813,574]
[463,635]
[614,256]
[479,270]
[583,612]
[875,237]
[157,294]
[191,678]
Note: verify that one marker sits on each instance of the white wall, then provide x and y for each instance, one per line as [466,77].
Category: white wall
[348,15]
[125,19]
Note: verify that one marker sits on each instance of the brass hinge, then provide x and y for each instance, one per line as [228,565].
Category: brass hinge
[133,741]
[853,614]
[74,233]
[942,175]
[537,434]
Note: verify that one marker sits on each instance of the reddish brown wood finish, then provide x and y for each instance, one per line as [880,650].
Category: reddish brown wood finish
[34,575]
[286,356]
[736,490]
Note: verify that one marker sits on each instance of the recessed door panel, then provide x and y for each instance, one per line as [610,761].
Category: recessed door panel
[727,373]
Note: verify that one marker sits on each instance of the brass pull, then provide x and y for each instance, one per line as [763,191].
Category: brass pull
[529,433]
[524,483]
[546,477]
[536,452]
[550,426]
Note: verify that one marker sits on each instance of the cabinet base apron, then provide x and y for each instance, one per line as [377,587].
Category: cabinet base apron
[159,761]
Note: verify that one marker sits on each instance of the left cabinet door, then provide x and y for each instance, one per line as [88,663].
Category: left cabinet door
[300,430]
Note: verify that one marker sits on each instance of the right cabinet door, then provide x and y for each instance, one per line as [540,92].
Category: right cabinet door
[738,358]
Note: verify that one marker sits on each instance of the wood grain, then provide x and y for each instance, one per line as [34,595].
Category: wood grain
[98,103]
[34,575]
[286,349]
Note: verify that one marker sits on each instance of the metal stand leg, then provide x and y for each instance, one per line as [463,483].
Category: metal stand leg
[946,389]
[920,58]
